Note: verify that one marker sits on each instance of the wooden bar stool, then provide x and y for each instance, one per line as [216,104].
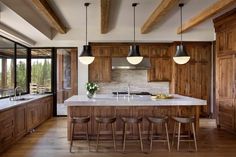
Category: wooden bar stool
[77,121]
[132,120]
[158,120]
[184,120]
[106,120]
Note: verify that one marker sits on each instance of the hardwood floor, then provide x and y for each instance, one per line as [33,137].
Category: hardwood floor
[49,140]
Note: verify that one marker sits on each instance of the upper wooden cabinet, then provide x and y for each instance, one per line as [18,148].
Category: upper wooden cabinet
[160,51]
[225,27]
[161,63]
[101,51]
[100,70]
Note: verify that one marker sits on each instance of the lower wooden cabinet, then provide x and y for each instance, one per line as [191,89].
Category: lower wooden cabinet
[7,122]
[18,121]
[20,128]
[226,113]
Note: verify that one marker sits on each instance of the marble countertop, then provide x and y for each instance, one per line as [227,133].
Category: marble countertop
[6,103]
[136,100]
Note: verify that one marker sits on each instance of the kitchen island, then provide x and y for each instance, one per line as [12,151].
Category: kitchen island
[135,105]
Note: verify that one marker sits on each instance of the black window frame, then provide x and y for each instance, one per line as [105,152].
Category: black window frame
[14,62]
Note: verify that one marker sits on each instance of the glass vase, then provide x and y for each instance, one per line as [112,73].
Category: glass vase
[90,95]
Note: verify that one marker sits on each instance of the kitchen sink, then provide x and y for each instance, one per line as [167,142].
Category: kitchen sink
[23,99]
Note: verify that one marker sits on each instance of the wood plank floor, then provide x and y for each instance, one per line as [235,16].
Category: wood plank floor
[49,140]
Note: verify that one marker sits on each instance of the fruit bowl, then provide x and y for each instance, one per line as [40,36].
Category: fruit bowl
[162,96]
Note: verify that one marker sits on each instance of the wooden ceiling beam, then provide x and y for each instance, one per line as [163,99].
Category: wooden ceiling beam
[161,10]
[206,14]
[105,12]
[50,15]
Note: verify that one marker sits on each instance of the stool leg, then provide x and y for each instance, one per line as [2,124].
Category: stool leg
[140,136]
[113,136]
[167,136]
[98,132]
[124,132]
[194,136]
[87,135]
[173,138]
[72,136]
[151,136]
[178,136]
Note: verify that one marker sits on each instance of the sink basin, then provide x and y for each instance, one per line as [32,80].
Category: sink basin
[22,99]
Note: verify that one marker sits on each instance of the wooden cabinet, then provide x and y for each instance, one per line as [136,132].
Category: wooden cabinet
[20,121]
[161,69]
[100,70]
[161,63]
[160,57]
[193,78]
[226,103]
[7,122]
[38,112]
[225,27]
[16,122]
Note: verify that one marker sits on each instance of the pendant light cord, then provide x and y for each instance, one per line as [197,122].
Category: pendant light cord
[86,21]
[134,24]
[134,5]
[181,21]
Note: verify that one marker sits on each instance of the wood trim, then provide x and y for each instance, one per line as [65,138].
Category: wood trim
[161,10]
[50,15]
[105,9]
[206,14]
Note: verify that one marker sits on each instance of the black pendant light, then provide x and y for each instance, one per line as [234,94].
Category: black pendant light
[86,56]
[134,56]
[181,56]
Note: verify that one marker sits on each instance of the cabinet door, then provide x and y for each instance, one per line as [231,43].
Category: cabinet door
[99,51]
[229,39]
[161,69]
[120,51]
[220,42]
[100,70]
[181,84]
[154,73]
[32,116]
[225,80]
[20,121]
[7,122]
[166,69]
[226,114]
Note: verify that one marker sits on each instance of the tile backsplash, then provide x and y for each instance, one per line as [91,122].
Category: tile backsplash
[137,80]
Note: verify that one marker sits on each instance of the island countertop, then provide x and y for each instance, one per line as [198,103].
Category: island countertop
[135,100]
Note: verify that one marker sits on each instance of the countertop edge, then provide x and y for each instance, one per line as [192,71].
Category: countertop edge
[24,102]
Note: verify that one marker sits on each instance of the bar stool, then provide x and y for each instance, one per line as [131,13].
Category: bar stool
[106,120]
[79,120]
[158,120]
[184,120]
[132,120]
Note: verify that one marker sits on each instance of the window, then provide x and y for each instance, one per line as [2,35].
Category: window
[7,76]
[21,67]
[41,68]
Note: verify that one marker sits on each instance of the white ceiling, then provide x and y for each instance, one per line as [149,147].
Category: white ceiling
[72,13]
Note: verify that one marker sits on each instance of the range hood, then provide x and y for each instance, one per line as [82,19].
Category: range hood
[122,63]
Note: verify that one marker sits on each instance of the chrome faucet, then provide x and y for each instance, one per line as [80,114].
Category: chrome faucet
[15,92]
